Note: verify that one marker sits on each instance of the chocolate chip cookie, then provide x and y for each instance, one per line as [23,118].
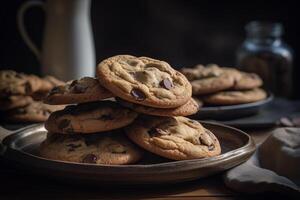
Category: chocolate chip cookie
[33,112]
[105,148]
[247,81]
[176,138]
[48,83]
[144,81]
[191,107]
[90,118]
[11,102]
[86,89]
[200,71]
[236,97]
[13,83]
[212,79]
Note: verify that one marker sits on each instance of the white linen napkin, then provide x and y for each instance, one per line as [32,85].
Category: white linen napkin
[275,166]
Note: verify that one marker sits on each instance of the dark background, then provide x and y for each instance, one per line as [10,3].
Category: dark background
[183,33]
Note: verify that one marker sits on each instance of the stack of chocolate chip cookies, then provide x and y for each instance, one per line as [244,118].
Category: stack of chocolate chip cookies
[146,109]
[216,85]
[21,94]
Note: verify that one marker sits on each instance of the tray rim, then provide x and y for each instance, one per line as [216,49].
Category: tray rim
[249,147]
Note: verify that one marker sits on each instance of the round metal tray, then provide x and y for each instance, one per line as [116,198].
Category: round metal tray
[20,148]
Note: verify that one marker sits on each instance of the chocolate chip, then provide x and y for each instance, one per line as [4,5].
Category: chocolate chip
[28,88]
[211,147]
[138,94]
[73,83]
[166,83]
[55,90]
[156,132]
[152,131]
[133,74]
[79,88]
[64,123]
[74,146]
[106,117]
[90,158]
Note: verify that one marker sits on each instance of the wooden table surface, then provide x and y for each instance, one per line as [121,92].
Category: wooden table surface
[19,185]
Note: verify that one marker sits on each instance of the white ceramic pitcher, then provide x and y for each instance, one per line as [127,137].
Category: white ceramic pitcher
[68,47]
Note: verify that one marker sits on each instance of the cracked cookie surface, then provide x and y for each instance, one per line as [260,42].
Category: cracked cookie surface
[145,81]
[86,89]
[189,108]
[90,118]
[176,138]
[236,97]
[112,148]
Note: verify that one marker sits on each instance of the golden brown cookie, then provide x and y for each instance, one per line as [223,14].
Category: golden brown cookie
[48,83]
[33,112]
[86,89]
[212,79]
[190,108]
[111,148]
[90,118]
[247,81]
[236,97]
[145,81]
[176,138]
[12,102]
[13,83]
[200,71]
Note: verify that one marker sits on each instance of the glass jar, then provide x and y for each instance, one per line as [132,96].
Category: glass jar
[263,52]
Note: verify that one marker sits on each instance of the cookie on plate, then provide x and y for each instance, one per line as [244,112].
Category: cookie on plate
[247,81]
[200,71]
[12,102]
[90,118]
[86,89]
[236,97]
[176,138]
[13,83]
[211,79]
[107,148]
[145,81]
[33,112]
[48,83]
[190,108]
